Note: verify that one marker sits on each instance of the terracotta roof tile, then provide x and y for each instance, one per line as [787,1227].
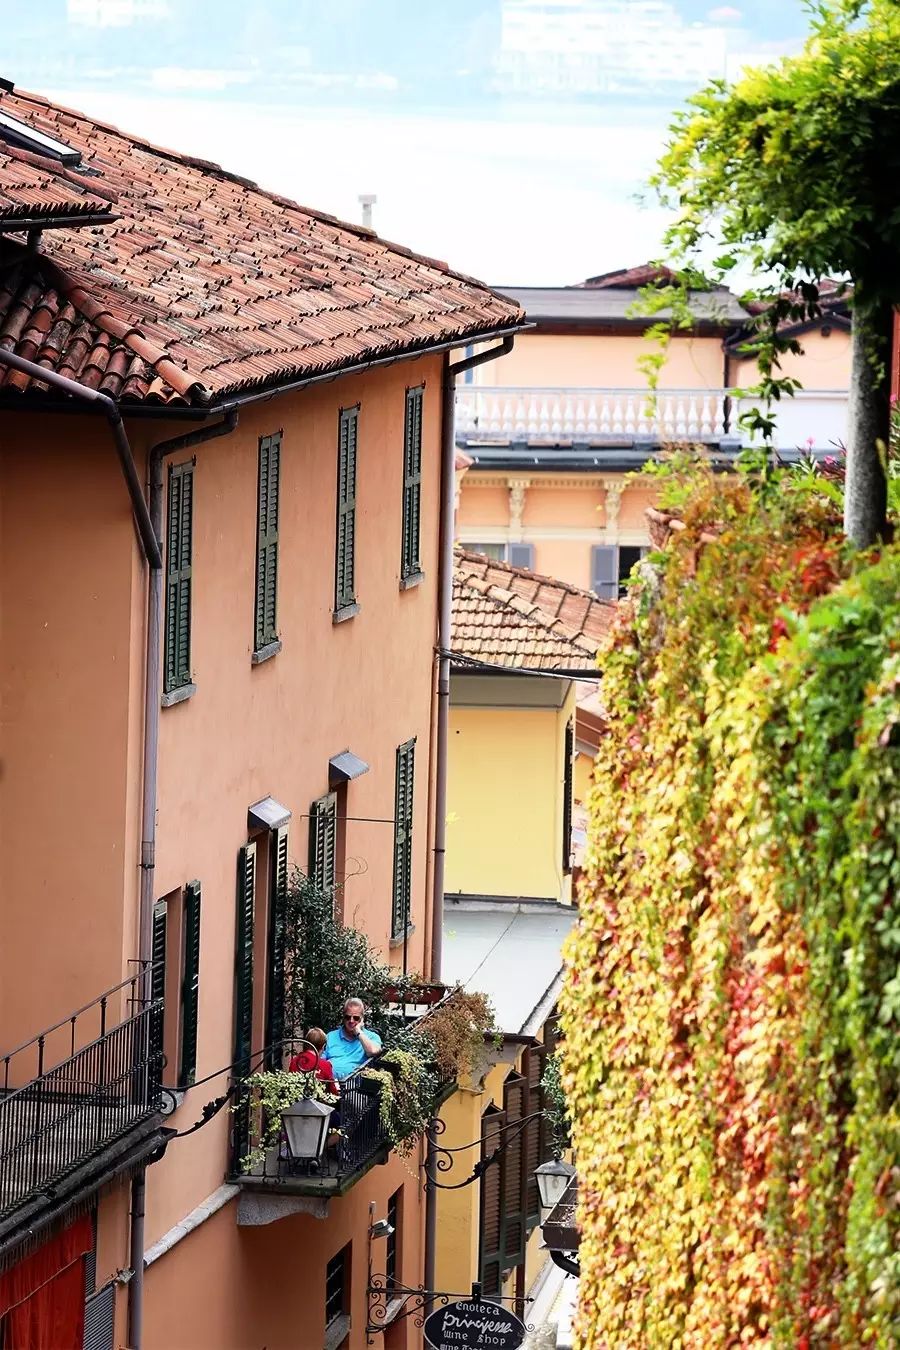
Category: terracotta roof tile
[580,611]
[215,286]
[35,188]
[509,616]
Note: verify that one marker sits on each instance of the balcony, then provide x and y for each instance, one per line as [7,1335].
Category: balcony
[276,1184]
[492,418]
[78,1103]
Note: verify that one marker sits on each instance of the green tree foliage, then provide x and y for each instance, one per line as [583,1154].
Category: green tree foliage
[731,1007]
[792,172]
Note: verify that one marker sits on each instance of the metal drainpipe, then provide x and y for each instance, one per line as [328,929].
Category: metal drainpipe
[445,611]
[155,459]
[136,1257]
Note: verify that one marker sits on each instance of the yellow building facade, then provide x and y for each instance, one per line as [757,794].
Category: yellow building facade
[522,646]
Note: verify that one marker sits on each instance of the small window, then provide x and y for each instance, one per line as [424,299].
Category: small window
[266,614]
[392,1243]
[337,1286]
[323,842]
[497,552]
[517,555]
[404,792]
[345,543]
[611,566]
[410,560]
[179,550]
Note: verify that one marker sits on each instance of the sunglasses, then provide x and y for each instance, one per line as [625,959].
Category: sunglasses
[348,1017]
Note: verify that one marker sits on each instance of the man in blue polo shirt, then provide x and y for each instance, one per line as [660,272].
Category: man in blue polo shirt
[352,1043]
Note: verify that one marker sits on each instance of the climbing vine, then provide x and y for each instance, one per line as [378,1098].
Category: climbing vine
[732,1002]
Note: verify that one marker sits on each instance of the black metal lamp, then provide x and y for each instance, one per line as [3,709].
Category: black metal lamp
[306,1129]
[552,1181]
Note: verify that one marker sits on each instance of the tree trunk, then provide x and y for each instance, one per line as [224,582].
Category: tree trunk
[869,424]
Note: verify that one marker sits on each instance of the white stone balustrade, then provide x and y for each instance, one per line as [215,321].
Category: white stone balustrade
[812,419]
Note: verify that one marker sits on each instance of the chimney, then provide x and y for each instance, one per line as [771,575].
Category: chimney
[367,200]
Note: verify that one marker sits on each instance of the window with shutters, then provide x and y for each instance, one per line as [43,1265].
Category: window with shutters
[243,957]
[190,984]
[179,548]
[568,789]
[175,979]
[537,1144]
[266,613]
[323,842]
[513,1246]
[410,560]
[611,566]
[490,1231]
[345,539]
[404,793]
[275,947]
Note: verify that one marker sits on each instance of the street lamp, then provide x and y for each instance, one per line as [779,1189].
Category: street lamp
[552,1181]
[306,1129]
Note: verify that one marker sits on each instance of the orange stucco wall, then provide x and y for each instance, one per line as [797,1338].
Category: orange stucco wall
[226,1287]
[73,613]
[71,624]
[568,361]
[824,363]
[252,731]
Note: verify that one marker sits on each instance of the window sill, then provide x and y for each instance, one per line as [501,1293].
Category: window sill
[414,579]
[337,1332]
[179,695]
[399,940]
[265,653]
[345,612]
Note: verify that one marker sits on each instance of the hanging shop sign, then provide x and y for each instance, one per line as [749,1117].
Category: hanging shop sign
[473,1325]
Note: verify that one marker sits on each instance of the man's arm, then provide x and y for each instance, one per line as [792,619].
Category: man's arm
[370,1042]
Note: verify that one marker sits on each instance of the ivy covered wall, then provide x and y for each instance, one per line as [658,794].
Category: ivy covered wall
[732,1002]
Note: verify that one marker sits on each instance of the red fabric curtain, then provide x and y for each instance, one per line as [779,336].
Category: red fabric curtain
[42,1297]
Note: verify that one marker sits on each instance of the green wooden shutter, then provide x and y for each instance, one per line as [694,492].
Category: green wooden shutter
[535,1133]
[323,841]
[275,990]
[568,789]
[404,792]
[411,562]
[190,984]
[158,958]
[243,958]
[490,1228]
[266,623]
[513,1246]
[179,546]
[345,549]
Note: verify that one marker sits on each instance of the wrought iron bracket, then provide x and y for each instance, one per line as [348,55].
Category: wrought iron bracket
[383,1294]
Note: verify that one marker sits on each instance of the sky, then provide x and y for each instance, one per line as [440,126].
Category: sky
[512,138]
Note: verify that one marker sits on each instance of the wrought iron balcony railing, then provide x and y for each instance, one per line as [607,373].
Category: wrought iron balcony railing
[814,419]
[360,1141]
[77,1087]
